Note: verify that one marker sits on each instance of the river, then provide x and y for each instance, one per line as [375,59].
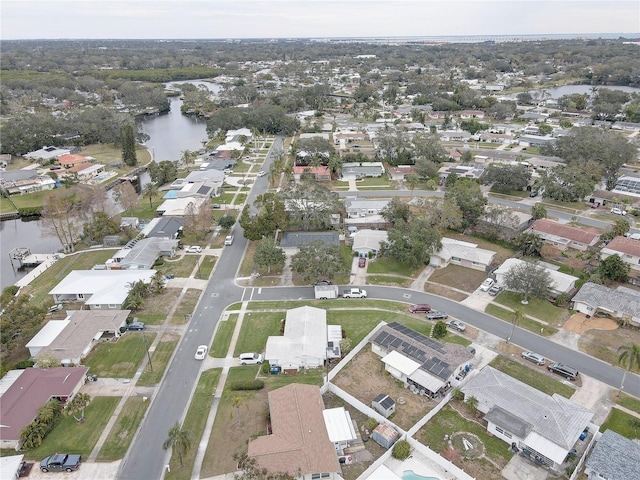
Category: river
[170,134]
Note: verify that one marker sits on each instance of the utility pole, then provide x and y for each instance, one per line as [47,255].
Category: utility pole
[144,340]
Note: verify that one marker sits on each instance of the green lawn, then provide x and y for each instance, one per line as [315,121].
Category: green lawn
[143,210]
[619,422]
[629,402]
[256,327]
[73,437]
[532,377]
[447,422]
[155,308]
[159,360]
[6,206]
[186,307]
[179,268]
[120,359]
[121,435]
[206,266]
[388,280]
[391,266]
[222,339]
[41,286]
[195,422]
[540,309]
[526,323]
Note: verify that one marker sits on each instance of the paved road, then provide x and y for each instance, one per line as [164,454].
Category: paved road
[146,459]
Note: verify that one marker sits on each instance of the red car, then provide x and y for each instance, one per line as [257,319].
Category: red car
[420,307]
[362,261]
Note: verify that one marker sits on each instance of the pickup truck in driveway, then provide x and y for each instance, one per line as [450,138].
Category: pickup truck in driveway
[59,462]
[354,293]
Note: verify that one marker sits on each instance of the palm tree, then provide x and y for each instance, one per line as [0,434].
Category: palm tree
[237,403]
[628,357]
[179,439]
[78,404]
[150,190]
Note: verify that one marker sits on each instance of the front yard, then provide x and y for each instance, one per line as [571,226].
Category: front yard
[533,376]
[119,359]
[462,278]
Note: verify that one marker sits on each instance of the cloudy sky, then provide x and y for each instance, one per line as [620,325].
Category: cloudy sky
[54,19]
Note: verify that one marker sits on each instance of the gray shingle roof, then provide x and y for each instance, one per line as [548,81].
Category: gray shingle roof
[621,300]
[615,457]
[555,418]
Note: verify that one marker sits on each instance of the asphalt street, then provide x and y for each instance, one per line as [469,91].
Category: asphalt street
[147,460]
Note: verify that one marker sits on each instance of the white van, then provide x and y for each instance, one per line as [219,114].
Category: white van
[250,358]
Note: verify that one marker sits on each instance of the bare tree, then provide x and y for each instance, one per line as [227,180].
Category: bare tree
[125,194]
[59,218]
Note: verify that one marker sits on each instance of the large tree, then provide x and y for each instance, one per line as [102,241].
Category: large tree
[318,260]
[529,243]
[128,143]
[567,183]
[467,194]
[311,205]
[528,279]
[396,211]
[498,221]
[269,254]
[100,226]
[427,150]
[179,439]
[60,218]
[613,268]
[411,243]
[125,194]
[163,172]
[506,178]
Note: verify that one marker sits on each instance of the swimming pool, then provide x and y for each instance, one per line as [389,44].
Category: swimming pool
[409,475]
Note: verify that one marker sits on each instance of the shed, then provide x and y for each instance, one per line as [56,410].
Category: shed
[385,435]
[384,405]
[339,427]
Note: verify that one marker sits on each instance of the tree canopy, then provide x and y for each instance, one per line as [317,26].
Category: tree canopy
[318,260]
[505,178]
[528,279]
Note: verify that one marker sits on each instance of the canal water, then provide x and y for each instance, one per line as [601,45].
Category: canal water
[170,134]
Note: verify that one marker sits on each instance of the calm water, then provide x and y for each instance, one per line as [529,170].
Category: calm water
[170,134]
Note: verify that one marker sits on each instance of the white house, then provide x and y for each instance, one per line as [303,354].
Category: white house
[621,303]
[304,343]
[356,208]
[368,241]
[99,289]
[465,254]
[560,282]
[545,428]
[179,207]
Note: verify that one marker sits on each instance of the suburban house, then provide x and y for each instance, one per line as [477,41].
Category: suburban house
[237,135]
[536,141]
[621,303]
[321,173]
[99,289]
[400,172]
[163,227]
[73,159]
[565,236]
[367,242]
[299,443]
[204,189]
[304,343]
[340,428]
[560,282]
[465,254]
[210,175]
[467,114]
[358,170]
[47,153]
[613,457]
[25,391]
[464,171]
[179,207]
[30,185]
[356,208]
[545,428]
[142,254]
[610,198]
[70,340]
[629,250]
[423,364]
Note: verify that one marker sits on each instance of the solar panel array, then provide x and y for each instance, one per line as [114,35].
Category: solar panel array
[415,346]
[628,184]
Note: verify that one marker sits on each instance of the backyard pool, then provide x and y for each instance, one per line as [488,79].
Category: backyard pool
[409,475]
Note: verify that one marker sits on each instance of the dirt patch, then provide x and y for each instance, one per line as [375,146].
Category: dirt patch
[443,291]
[579,323]
[462,278]
[365,378]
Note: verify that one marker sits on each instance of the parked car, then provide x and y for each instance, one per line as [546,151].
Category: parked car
[228,240]
[322,282]
[261,173]
[56,308]
[362,262]
[250,358]
[194,249]
[135,325]
[487,284]
[595,205]
[201,352]
[564,370]
[420,307]
[534,193]
[495,290]
[59,462]
[435,315]
[457,325]
[618,211]
[534,357]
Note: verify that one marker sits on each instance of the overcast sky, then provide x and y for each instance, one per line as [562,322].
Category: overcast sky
[54,19]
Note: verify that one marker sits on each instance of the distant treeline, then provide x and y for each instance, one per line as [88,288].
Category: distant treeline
[155,74]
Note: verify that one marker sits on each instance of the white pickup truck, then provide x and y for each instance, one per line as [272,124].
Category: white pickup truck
[354,293]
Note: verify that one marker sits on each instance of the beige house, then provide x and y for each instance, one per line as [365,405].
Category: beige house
[565,236]
[629,250]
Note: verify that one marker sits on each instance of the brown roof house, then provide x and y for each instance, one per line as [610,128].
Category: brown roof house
[23,392]
[299,443]
[565,236]
[629,250]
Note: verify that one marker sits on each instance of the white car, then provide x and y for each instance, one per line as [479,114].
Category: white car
[228,240]
[261,173]
[201,352]
[487,284]
[194,249]
[534,357]
[618,211]
[250,358]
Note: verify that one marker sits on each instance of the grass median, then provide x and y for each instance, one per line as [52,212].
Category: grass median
[121,435]
[532,377]
[159,360]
